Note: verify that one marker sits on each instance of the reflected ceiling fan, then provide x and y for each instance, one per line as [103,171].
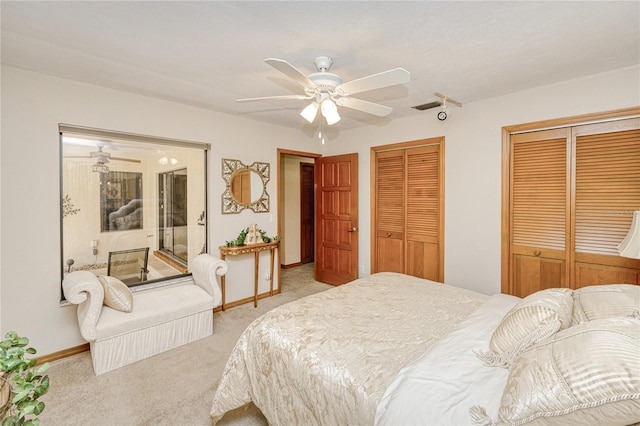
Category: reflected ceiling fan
[102,158]
[327,91]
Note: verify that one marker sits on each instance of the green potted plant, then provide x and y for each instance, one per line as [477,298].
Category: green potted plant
[22,383]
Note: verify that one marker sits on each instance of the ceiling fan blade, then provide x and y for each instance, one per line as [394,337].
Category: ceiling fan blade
[276,98]
[130,160]
[365,106]
[374,81]
[290,71]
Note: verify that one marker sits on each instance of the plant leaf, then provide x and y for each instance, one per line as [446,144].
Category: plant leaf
[39,408]
[20,396]
[44,367]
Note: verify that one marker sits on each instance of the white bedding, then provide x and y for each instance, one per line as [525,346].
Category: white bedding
[328,358]
[442,385]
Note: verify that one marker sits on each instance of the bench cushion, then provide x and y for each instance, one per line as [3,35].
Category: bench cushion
[153,307]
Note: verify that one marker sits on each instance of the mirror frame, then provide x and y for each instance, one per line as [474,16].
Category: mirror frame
[229,204]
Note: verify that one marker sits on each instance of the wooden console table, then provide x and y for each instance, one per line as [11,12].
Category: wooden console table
[255,249]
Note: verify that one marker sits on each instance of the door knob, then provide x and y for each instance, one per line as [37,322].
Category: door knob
[352,229]
[537,253]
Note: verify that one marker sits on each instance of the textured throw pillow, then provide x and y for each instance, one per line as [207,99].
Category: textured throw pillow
[536,318]
[605,301]
[585,375]
[116,294]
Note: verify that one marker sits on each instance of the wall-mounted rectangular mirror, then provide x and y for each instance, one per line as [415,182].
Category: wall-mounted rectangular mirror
[132,205]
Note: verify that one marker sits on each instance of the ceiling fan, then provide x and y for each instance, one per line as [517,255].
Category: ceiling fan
[102,158]
[327,91]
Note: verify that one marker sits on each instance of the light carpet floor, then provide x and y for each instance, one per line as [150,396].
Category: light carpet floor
[173,388]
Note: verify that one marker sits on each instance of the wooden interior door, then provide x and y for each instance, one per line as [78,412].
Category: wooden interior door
[390,193]
[407,193]
[568,199]
[607,190]
[336,220]
[307,212]
[423,212]
[539,211]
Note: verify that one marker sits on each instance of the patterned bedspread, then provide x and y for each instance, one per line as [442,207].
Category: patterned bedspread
[327,359]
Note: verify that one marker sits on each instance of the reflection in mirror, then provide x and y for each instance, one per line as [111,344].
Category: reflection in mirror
[120,201]
[246,186]
[131,205]
[172,208]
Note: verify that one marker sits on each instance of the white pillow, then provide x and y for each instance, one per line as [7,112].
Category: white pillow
[536,318]
[116,294]
[605,301]
[585,375]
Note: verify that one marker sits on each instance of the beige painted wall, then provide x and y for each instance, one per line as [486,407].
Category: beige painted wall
[473,163]
[33,105]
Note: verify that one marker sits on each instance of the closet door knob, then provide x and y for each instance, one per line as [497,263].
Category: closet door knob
[352,229]
[388,234]
[537,253]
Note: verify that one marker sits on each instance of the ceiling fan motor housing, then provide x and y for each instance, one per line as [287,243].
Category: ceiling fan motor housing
[326,81]
[323,63]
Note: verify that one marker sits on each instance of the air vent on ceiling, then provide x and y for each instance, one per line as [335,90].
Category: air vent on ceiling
[430,105]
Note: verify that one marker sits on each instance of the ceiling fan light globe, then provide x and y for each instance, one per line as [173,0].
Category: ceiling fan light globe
[310,112]
[330,111]
[332,118]
[329,107]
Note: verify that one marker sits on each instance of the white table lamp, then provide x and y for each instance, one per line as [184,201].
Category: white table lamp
[630,246]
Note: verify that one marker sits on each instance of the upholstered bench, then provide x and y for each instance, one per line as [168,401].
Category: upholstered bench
[159,319]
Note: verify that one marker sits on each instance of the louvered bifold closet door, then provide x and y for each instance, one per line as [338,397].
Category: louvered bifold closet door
[539,210]
[422,212]
[390,211]
[607,191]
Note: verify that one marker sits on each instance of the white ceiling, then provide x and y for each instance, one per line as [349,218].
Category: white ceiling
[208,53]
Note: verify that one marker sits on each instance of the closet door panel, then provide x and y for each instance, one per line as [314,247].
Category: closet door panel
[390,212]
[390,255]
[607,190]
[423,212]
[423,260]
[537,273]
[539,187]
[593,274]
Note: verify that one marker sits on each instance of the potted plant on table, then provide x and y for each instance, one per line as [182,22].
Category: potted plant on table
[22,383]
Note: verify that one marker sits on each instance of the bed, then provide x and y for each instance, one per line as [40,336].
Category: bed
[394,349]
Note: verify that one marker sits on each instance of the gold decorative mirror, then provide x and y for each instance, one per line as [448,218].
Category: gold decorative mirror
[246,186]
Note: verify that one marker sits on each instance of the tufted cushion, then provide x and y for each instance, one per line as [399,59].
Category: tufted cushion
[585,375]
[116,294]
[537,317]
[605,301]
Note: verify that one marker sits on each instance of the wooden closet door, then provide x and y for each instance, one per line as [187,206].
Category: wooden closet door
[539,210]
[408,203]
[423,212]
[390,211]
[607,191]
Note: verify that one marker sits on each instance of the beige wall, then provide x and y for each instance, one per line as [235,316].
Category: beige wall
[33,105]
[473,163]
